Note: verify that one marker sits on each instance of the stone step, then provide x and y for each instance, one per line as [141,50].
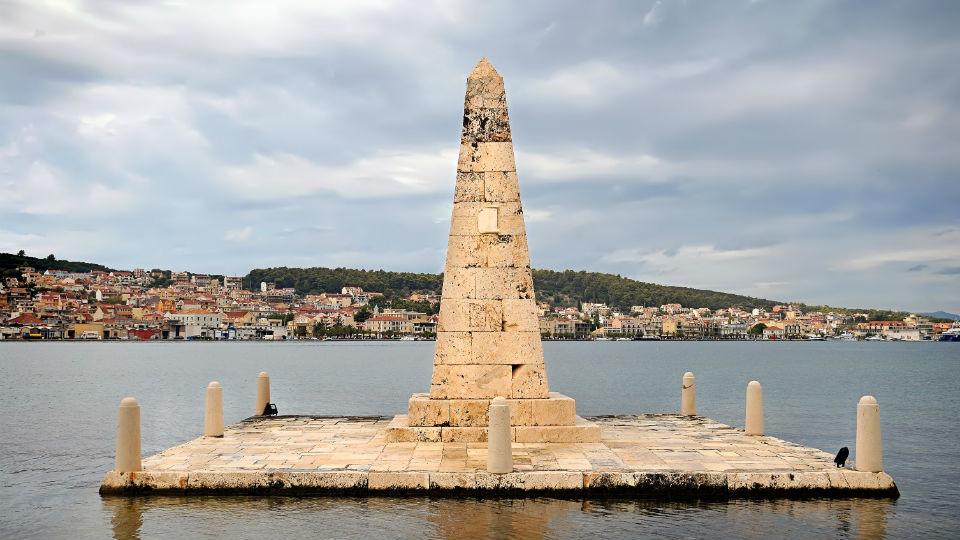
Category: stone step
[555,410]
[581,431]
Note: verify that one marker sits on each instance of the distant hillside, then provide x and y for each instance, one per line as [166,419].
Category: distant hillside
[943,315]
[562,288]
[570,287]
[9,263]
[318,280]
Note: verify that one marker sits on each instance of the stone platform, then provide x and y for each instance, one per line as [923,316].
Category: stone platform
[552,419]
[652,455]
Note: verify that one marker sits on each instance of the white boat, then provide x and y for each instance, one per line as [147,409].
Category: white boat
[953,334]
[875,338]
[846,336]
[408,338]
[815,337]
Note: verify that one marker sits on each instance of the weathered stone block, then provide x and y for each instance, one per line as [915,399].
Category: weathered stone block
[229,481]
[521,315]
[501,186]
[609,480]
[459,283]
[505,250]
[464,220]
[464,434]
[470,381]
[400,430]
[487,250]
[485,125]
[484,101]
[551,480]
[397,481]
[486,156]
[453,480]
[466,251]
[116,482]
[521,412]
[454,348]
[470,187]
[469,412]
[511,219]
[424,411]
[326,480]
[470,315]
[581,432]
[529,381]
[484,88]
[557,410]
[504,283]
[506,348]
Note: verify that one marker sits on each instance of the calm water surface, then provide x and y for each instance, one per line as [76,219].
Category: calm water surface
[60,400]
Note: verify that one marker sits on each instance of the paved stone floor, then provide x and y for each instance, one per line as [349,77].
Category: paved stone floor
[663,450]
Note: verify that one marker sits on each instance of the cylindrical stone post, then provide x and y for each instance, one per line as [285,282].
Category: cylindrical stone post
[213,415]
[869,455]
[263,393]
[688,395]
[754,421]
[499,441]
[128,437]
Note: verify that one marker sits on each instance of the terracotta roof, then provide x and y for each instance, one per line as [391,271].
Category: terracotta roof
[25,319]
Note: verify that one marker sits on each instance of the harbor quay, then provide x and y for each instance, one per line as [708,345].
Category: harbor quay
[488,421]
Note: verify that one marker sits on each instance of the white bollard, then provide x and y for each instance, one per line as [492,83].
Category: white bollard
[688,395]
[499,451]
[754,422]
[213,415]
[869,455]
[128,437]
[263,393]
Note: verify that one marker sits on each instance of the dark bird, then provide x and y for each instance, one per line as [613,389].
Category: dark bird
[842,456]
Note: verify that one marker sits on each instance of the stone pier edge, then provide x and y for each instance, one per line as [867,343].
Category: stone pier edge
[662,484]
[645,484]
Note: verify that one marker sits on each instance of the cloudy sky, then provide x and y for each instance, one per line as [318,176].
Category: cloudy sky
[797,151]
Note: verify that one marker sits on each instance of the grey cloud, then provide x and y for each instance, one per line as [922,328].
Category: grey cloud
[750,143]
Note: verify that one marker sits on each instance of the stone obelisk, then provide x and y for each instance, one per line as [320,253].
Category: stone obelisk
[488,336]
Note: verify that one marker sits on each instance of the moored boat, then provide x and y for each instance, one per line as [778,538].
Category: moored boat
[953,334]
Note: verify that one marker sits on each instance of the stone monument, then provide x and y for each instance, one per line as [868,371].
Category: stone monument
[488,337]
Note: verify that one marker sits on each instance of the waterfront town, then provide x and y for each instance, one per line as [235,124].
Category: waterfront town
[154,305]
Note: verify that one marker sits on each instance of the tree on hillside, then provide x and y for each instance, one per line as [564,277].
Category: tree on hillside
[362,315]
[757,329]
[21,253]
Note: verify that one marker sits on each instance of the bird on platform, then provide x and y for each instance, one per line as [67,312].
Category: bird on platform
[842,456]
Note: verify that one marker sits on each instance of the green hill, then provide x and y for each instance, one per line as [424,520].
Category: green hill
[9,263]
[318,280]
[560,288]
[569,287]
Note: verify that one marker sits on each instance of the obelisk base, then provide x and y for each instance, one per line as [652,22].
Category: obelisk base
[552,419]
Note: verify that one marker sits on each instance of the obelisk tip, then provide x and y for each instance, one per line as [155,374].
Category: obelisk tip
[483,69]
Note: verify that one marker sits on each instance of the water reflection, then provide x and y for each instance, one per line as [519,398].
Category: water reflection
[127,516]
[470,517]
